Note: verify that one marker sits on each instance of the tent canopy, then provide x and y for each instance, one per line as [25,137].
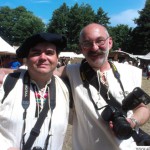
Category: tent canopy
[120,53]
[70,55]
[5,48]
[146,57]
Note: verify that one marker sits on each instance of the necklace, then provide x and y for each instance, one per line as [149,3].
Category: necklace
[41,95]
[103,78]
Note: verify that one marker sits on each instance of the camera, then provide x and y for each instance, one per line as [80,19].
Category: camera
[133,99]
[121,127]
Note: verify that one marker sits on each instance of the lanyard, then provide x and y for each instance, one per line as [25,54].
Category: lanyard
[25,100]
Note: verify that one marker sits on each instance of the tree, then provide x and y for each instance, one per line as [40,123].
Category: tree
[70,21]
[141,33]
[121,35]
[59,21]
[101,18]
[6,23]
[79,16]
[18,24]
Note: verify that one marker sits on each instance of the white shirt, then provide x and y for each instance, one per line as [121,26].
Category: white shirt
[11,118]
[90,131]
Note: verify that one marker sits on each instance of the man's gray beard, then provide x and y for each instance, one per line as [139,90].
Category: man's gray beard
[100,63]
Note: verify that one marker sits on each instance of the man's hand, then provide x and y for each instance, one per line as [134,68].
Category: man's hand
[2,74]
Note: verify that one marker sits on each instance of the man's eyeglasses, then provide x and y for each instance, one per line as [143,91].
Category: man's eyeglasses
[89,44]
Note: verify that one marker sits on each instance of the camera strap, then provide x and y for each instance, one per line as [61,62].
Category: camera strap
[117,76]
[89,76]
[25,103]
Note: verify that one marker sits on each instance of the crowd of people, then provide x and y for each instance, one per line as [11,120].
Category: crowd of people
[95,83]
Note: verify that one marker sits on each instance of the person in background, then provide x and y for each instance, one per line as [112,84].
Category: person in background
[90,131]
[35,90]
[148,71]
[15,64]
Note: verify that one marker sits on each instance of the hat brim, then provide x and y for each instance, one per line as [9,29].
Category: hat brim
[59,40]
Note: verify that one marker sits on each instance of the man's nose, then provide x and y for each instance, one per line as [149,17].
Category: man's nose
[43,55]
[94,46]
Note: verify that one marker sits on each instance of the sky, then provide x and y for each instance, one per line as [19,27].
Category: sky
[119,11]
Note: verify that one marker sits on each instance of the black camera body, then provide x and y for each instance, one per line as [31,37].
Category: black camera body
[133,99]
[121,127]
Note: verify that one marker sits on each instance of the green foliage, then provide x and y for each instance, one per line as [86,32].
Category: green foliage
[58,23]
[18,24]
[141,33]
[6,22]
[101,17]
[79,16]
[121,35]
[70,21]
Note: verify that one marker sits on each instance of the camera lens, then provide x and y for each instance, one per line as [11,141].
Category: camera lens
[107,113]
[122,128]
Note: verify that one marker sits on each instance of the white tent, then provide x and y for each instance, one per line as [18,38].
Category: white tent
[72,56]
[120,53]
[80,56]
[5,48]
[145,57]
[68,54]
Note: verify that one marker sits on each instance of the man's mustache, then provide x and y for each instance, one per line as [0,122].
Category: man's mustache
[98,52]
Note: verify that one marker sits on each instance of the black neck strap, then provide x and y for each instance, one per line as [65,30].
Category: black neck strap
[25,103]
[117,76]
[89,76]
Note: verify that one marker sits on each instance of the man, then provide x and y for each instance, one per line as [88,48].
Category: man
[36,92]
[90,131]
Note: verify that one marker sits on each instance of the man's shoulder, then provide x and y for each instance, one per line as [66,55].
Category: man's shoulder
[127,68]
[6,70]
[70,67]
[62,82]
